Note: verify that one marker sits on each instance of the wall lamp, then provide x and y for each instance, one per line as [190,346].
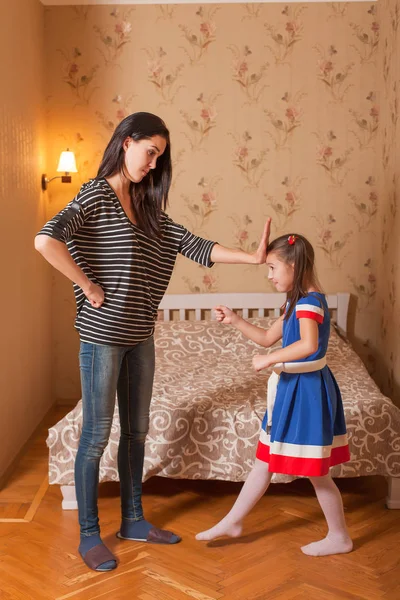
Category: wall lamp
[66,165]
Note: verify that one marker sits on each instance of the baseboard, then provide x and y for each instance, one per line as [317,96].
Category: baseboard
[393,504]
[67,401]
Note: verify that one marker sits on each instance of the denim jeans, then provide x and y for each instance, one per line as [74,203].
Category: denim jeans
[105,371]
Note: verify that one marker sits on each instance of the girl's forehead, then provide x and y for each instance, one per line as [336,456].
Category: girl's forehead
[272,257]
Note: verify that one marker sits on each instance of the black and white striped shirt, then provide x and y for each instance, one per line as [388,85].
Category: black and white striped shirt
[133,269]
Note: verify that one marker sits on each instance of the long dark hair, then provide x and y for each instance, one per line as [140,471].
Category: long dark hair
[150,195]
[295,249]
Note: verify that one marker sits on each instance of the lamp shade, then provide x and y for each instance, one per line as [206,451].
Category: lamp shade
[67,162]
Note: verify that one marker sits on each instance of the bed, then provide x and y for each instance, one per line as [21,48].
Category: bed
[208,402]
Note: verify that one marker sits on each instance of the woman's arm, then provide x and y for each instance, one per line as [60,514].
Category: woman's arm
[306,346]
[56,253]
[262,337]
[220,254]
[52,239]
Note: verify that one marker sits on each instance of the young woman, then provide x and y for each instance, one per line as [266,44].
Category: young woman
[118,246]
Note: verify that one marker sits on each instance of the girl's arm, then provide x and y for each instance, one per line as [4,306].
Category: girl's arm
[220,254]
[306,346]
[262,337]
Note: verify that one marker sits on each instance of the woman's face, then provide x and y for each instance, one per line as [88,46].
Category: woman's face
[141,156]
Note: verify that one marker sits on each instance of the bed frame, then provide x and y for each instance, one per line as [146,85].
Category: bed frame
[251,304]
[259,303]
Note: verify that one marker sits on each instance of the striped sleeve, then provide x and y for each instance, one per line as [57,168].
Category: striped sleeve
[196,248]
[310,308]
[67,222]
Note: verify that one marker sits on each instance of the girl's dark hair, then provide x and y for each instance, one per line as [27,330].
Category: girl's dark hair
[150,195]
[299,253]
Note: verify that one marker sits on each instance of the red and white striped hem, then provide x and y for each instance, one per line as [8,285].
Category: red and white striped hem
[307,461]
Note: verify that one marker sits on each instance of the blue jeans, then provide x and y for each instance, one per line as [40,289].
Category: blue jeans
[105,371]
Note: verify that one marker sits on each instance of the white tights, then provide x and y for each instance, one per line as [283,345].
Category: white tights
[337,540]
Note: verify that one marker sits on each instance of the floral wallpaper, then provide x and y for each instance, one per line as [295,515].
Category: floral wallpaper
[274,110]
[388,299]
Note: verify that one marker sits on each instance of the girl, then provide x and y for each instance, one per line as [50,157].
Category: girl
[303,431]
[118,246]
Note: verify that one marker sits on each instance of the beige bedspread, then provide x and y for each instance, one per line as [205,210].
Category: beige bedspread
[208,404]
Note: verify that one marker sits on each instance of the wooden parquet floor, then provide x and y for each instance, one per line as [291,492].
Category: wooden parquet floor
[39,559]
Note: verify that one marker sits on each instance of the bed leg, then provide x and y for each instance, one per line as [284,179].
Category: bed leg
[69,497]
[393,497]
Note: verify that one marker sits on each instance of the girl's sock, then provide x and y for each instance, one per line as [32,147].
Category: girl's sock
[254,487]
[329,545]
[338,540]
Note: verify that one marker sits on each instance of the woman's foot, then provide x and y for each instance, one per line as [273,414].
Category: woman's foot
[329,545]
[220,529]
[95,554]
[143,531]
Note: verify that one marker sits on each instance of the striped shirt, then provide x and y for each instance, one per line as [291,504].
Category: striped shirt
[132,269]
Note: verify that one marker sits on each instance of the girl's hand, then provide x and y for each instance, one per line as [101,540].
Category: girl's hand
[260,256]
[225,315]
[95,294]
[261,361]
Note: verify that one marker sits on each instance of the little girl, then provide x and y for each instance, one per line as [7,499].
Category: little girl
[303,431]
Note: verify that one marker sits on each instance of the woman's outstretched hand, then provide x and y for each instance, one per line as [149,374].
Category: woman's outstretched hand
[260,255]
[225,315]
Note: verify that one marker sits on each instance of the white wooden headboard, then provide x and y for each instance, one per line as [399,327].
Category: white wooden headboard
[263,303]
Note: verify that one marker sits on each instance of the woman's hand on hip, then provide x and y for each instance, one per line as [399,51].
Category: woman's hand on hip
[95,294]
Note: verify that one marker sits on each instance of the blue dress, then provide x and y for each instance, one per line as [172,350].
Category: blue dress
[308,431]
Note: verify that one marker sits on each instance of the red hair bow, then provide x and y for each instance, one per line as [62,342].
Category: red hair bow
[292,239]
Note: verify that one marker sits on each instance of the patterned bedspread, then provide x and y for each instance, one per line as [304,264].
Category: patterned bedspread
[208,404]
